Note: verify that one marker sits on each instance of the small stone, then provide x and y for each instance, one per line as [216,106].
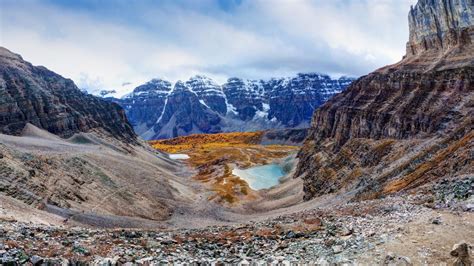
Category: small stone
[314,221]
[322,261]
[290,234]
[244,263]
[145,261]
[462,253]
[31,173]
[281,246]
[36,260]
[370,233]
[152,244]
[81,250]
[436,220]
[337,249]
[393,259]
[344,231]
[469,207]
[172,241]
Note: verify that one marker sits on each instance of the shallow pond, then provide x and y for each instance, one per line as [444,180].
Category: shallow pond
[261,177]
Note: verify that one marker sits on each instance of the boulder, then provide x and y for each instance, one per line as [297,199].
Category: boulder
[462,252]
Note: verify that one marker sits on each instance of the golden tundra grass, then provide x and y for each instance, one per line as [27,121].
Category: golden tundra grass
[215,155]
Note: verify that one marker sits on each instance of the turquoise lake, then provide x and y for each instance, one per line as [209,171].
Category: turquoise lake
[261,177]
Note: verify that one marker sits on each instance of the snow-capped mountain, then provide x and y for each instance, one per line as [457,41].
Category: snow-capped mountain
[158,109]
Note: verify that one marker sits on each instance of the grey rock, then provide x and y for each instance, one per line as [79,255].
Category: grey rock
[36,95]
[438,24]
[436,220]
[393,259]
[462,252]
[337,249]
[36,260]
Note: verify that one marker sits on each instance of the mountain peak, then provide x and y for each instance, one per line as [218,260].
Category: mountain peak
[201,82]
[36,95]
[4,52]
[180,85]
[200,77]
[203,106]
[153,86]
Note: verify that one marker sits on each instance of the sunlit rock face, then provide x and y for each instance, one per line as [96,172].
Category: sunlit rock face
[403,125]
[200,105]
[439,24]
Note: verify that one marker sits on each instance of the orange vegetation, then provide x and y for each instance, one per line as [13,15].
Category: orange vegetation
[196,141]
[419,174]
[215,155]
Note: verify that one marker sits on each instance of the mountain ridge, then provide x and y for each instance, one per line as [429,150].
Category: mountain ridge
[237,105]
[36,95]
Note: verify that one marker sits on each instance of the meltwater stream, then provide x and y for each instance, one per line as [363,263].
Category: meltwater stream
[261,177]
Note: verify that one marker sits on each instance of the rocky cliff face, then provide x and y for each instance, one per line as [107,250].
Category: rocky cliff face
[200,105]
[146,104]
[403,125]
[209,93]
[185,112]
[30,94]
[293,104]
[439,25]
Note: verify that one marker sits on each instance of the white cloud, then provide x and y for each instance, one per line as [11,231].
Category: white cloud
[258,39]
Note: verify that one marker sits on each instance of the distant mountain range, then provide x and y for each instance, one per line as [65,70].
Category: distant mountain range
[159,109]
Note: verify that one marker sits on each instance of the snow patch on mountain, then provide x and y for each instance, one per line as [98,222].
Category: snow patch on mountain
[263,113]
[237,105]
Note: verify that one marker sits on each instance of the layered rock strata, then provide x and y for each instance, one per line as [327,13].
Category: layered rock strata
[403,125]
[36,95]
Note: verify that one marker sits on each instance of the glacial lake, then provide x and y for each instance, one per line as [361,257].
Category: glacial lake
[261,177]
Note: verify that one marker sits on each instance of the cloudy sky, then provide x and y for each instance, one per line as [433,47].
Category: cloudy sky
[120,44]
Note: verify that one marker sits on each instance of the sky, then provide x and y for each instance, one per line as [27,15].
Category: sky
[120,44]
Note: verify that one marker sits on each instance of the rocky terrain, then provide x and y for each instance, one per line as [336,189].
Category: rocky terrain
[76,155]
[214,156]
[403,125]
[392,231]
[159,110]
[91,179]
[385,175]
[36,95]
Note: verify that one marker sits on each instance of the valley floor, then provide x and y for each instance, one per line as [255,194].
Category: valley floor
[400,230]
[204,213]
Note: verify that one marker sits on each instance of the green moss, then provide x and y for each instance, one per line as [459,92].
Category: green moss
[105,179]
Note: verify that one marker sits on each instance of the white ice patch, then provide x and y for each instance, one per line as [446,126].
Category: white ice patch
[204,103]
[178,156]
[263,113]
[164,106]
[230,107]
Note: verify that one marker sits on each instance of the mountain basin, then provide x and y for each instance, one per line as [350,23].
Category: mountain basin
[261,177]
